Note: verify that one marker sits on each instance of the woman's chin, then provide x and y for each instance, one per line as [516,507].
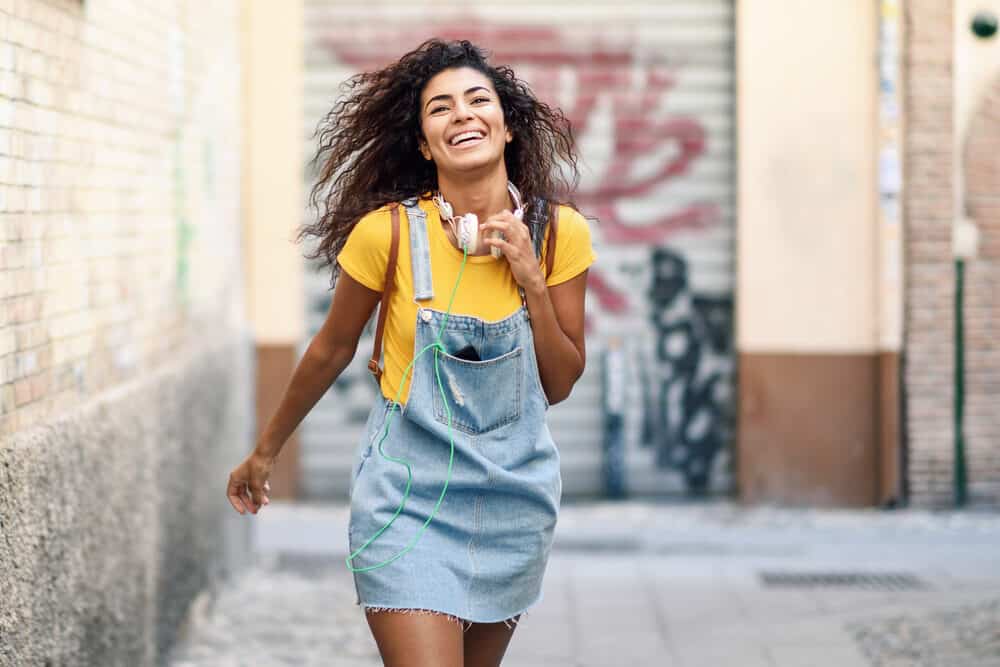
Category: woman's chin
[474,163]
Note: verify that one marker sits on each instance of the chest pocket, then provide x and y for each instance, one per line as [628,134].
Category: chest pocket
[481,395]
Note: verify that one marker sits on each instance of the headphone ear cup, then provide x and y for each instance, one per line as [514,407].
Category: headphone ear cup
[468,232]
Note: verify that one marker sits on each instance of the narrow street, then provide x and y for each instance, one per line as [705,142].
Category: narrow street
[643,583]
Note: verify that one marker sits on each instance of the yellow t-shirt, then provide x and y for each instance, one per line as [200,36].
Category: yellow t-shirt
[487,291]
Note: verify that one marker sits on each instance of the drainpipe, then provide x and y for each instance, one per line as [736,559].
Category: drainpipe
[613,381]
[965,242]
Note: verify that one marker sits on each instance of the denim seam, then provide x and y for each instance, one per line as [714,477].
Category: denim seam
[507,325]
[476,525]
[536,378]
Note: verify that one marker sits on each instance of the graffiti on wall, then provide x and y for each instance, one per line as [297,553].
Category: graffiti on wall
[616,96]
[694,375]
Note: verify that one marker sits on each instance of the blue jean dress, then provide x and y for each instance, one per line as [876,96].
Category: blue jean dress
[483,555]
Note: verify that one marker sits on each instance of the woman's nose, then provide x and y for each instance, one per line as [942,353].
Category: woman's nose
[463,111]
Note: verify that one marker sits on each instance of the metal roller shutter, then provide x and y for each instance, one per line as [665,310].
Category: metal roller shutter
[649,88]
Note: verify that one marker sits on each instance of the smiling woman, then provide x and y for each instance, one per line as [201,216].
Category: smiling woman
[452,524]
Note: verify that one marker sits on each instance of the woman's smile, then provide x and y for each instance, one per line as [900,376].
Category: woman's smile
[467,139]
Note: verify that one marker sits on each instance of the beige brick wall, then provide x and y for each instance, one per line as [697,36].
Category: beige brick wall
[119,193]
[981,170]
[928,213]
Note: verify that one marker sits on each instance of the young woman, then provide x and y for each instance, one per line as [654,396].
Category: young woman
[452,522]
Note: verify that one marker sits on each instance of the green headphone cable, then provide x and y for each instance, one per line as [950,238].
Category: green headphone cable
[438,348]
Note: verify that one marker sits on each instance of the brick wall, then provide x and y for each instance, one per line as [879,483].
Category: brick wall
[981,168]
[119,183]
[125,366]
[928,204]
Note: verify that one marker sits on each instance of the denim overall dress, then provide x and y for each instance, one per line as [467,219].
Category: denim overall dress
[482,557]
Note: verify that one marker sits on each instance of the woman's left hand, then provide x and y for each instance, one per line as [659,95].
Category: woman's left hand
[516,246]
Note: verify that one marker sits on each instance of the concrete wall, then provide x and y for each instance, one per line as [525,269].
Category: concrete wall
[807,318]
[125,362]
[113,517]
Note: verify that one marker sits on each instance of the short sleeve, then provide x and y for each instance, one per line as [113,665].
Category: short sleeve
[574,250]
[366,251]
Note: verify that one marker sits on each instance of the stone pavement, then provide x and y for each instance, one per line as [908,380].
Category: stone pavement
[658,584]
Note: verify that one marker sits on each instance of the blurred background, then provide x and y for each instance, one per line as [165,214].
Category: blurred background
[796,208]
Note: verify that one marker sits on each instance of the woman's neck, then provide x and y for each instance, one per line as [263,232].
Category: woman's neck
[483,196]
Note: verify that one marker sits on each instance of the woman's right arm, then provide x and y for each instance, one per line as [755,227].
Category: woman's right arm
[330,351]
[327,356]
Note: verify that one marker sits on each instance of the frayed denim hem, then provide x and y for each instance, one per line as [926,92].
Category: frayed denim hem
[510,623]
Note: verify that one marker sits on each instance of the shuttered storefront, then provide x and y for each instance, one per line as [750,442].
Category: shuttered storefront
[649,88]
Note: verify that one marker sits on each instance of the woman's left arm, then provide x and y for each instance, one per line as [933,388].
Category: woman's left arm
[557,324]
[556,312]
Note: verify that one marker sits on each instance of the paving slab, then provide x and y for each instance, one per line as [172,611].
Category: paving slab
[653,583]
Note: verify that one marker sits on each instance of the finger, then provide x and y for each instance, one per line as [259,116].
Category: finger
[233,490]
[504,216]
[502,223]
[247,500]
[257,495]
[497,226]
[238,503]
[262,498]
[515,232]
[510,250]
[234,500]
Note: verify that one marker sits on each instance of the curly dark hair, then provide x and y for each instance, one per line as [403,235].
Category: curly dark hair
[369,155]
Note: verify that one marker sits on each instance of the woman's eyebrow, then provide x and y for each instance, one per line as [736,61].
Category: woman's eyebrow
[448,97]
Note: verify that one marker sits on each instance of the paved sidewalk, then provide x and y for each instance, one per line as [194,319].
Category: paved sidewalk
[643,583]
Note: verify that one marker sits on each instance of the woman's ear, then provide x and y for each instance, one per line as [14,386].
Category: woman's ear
[424,149]
[510,137]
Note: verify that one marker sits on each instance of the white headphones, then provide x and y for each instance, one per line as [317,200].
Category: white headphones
[466,227]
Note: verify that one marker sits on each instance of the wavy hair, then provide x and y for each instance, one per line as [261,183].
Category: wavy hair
[368,153]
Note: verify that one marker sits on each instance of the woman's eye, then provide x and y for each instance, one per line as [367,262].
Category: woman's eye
[437,109]
[480,99]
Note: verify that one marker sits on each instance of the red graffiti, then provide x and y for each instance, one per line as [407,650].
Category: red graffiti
[634,84]
[610,299]
[614,79]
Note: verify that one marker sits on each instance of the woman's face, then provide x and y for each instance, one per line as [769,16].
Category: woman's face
[462,121]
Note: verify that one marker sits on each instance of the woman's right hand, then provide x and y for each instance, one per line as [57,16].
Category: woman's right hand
[327,355]
[248,484]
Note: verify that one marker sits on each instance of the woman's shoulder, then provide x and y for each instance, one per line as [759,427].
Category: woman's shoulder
[379,215]
[369,239]
[382,216]
[573,227]
[374,227]
[569,215]
[574,247]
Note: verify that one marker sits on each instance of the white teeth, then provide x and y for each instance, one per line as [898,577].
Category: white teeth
[465,135]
